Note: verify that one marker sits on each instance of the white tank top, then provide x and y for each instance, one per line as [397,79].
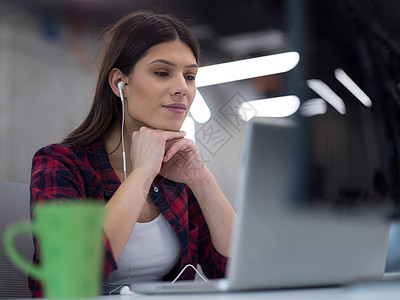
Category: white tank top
[151,252]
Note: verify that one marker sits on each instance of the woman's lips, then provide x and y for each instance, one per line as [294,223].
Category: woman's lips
[177,108]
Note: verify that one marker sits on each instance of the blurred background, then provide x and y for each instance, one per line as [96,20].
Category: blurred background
[48,70]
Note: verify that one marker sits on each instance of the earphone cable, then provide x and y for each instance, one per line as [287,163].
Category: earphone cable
[183,270]
[122,136]
[126,280]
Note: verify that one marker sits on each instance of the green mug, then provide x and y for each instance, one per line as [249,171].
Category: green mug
[70,245]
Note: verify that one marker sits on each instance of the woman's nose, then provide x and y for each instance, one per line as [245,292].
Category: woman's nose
[179,86]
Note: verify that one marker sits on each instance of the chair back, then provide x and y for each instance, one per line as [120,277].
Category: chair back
[393,255]
[14,203]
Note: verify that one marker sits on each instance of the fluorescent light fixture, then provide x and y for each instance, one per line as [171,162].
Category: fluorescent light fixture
[313,107]
[353,87]
[247,68]
[189,127]
[278,107]
[326,93]
[199,110]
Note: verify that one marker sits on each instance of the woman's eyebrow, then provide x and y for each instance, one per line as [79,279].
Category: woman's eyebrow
[164,61]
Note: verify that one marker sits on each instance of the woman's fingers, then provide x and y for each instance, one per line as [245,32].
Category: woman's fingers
[174,147]
[173,135]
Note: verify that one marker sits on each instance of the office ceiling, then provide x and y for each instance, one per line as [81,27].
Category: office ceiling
[222,17]
[236,29]
[212,19]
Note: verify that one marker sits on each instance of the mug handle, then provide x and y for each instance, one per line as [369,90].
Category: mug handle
[18,259]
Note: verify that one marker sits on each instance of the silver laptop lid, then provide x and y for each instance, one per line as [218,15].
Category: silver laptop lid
[279,243]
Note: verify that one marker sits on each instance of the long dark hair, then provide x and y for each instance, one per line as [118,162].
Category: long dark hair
[124,44]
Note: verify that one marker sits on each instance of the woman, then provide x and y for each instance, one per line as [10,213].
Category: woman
[166,210]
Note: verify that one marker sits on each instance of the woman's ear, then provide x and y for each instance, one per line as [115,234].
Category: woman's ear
[114,78]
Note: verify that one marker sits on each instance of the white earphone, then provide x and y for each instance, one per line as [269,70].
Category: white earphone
[121,87]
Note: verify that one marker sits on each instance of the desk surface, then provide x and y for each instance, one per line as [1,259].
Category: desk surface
[366,291]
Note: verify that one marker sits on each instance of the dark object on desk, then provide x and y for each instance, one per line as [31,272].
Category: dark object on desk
[14,200]
[350,145]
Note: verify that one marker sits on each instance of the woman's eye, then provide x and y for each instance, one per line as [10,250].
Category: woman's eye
[190,77]
[162,74]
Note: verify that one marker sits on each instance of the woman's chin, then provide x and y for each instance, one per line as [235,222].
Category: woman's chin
[171,127]
[174,125]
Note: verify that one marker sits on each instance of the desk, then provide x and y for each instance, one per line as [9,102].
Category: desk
[365,291]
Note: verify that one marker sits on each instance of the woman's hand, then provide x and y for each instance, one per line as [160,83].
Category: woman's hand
[148,148]
[169,154]
[183,163]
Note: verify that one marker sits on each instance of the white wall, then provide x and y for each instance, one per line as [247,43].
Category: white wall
[43,91]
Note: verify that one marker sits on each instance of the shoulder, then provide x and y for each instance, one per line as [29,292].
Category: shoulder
[62,156]
[65,171]
[73,153]
[61,150]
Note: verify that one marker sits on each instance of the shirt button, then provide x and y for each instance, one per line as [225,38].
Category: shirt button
[178,225]
[155,189]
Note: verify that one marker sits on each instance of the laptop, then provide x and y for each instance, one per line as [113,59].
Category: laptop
[278,242]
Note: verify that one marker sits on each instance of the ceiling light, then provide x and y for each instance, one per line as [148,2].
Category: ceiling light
[353,87]
[313,107]
[247,68]
[278,107]
[189,127]
[322,89]
[199,109]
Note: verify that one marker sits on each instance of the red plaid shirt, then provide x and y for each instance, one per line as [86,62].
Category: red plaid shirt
[79,173]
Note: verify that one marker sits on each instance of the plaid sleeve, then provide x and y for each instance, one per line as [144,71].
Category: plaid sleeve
[61,175]
[54,176]
[212,263]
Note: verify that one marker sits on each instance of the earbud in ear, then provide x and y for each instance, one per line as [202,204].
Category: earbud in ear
[121,87]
